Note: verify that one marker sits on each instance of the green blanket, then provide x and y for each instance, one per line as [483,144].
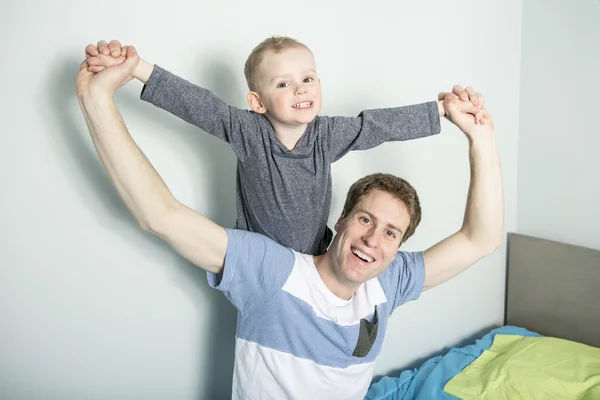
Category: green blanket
[518,367]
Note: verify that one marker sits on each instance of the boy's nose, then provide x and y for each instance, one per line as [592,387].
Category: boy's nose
[300,90]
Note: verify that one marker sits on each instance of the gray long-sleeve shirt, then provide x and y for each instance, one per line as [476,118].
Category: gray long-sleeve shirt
[286,194]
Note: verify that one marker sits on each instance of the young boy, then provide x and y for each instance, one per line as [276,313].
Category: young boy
[284,148]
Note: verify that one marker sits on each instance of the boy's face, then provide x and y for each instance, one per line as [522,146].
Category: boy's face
[367,240]
[289,87]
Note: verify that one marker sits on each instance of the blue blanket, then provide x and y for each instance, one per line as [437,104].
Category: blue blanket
[427,382]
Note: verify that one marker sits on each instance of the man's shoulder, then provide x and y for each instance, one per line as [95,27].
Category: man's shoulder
[404,264]
[239,238]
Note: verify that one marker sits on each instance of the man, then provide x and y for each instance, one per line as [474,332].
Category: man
[307,326]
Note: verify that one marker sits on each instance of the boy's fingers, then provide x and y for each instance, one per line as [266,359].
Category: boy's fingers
[131,53]
[91,50]
[115,48]
[103,47]
[472,95]
[460,92]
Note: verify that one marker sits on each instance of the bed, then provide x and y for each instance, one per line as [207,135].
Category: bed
[548,348]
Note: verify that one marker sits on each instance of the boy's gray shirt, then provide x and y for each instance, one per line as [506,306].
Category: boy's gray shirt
[286,194]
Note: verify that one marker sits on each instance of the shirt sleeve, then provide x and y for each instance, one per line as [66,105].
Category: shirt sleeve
[256,268]
[403,280]
[202,108]
[374,127]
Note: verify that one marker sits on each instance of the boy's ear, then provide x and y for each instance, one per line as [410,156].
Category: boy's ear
[339,222]
[255,104]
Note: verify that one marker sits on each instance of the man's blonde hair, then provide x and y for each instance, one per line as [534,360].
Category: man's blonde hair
[397,187]
[273,44]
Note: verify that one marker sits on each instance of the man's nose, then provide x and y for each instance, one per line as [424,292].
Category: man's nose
[370,238]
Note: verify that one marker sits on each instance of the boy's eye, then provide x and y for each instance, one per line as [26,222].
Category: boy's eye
[307,80]
[283,85]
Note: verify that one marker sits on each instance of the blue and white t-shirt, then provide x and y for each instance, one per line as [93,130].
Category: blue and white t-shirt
[296,339]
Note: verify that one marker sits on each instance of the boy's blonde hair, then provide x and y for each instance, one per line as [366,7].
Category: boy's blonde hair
[274,44]
[397,187]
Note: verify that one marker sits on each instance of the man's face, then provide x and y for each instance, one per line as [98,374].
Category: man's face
[289,87]
[368,238]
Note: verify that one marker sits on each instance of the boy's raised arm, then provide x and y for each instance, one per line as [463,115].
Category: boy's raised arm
[192,103]
[149,200]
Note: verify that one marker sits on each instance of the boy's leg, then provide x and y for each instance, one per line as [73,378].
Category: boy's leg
[325,241]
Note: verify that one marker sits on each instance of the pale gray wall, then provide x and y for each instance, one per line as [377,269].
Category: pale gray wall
[559,139]
[91,307]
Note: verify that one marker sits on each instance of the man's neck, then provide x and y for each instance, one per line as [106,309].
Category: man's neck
[327,272]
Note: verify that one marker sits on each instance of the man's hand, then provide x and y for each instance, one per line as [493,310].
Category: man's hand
[482,229]
[474,125]
[108,80]
[466,95]
[104,55]
[107,55]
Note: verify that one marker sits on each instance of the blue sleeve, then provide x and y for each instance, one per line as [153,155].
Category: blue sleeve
[403,280]
[256,268]
[374,127]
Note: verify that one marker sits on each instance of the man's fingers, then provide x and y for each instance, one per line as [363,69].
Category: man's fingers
[94,61]
[115,48]
[95,68]
[480,96]
[467,107]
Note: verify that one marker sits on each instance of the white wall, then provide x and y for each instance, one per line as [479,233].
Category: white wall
[559,186]
[92,307]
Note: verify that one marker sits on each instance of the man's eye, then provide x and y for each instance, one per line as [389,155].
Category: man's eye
[390,234]
[365,220]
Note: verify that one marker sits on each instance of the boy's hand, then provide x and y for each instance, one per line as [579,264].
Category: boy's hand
[460,113]
[466,95]
[104,55]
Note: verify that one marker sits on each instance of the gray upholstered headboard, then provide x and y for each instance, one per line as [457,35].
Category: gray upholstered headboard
[553,288]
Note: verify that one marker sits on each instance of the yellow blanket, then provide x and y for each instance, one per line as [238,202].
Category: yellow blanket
[519,367]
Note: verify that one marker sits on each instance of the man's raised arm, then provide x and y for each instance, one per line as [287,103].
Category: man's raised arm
[482,229]
[140,187]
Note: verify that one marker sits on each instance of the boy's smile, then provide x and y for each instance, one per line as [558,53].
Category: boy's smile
[290,89]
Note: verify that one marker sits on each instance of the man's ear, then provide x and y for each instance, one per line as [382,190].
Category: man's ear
[339,222]
[255,104]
